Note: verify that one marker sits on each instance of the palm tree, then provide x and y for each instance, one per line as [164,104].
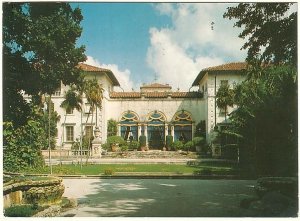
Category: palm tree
[224,98]
[73,100]
[80,88]
[94,95]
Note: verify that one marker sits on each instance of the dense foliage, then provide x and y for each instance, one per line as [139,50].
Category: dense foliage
[200,130]
[266,120]
[177,145]
[39,52]
[115,140]
[111,127]
[44,122]
[22,146]
[265,123]
[268,26]
[20,211]
[224,98]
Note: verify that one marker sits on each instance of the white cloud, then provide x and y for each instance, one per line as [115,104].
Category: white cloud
[177,54]
[123,76]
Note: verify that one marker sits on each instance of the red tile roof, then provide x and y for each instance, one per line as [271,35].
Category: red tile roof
[155,94]
[156,85]
[124,94]
[233,67]
[90,68]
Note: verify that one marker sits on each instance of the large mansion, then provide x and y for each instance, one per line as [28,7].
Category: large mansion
[156,110]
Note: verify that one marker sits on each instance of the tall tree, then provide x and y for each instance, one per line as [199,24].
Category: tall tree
[72,101]
[270,30]
[224,98]
[39,52]
[94,95]
[266,119]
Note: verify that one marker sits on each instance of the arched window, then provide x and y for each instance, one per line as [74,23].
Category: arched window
[129,125]
[183,124]
[156,118]
[156,129]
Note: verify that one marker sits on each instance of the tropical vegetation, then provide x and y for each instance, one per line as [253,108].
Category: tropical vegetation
[265,123]
[39,52]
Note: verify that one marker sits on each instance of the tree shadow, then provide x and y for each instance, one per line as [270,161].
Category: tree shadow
[166,198]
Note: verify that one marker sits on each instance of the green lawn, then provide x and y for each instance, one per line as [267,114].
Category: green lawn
[100,169]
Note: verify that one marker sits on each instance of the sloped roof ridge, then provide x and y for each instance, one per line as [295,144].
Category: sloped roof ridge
[87,67]
[228,66]
[156,85]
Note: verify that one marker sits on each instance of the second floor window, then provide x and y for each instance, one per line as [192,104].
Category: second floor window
[69,111]
[87,108]
[57,93]
[88,131]
[70,133]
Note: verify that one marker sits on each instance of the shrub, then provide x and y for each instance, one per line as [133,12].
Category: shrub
[20,211]
[134,145]
[142,140]
[115,140]
[198,141]
[124,147]
[169,141]
[105,146]
[108,172]
[177,145]
[112,127]
[188,146]
[23,146]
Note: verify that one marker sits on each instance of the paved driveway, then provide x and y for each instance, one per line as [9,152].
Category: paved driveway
[158,197]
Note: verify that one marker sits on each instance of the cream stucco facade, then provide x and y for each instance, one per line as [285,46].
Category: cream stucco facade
[154,111]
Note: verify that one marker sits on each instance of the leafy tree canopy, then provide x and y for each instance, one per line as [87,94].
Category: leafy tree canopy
[270,30]
[112,127]
[224,97]
[39,51]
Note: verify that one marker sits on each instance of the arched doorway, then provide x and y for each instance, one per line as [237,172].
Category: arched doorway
[183,126]
[129,125]
[156,129]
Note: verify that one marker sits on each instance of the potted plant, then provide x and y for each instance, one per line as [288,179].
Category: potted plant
[198,142]
[134,145]
[124,149]
[115,142]
[143,143]
[188,146]
[177,145]
[169,142]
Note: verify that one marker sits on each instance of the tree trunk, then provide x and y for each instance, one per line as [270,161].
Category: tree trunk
[89,146]
[63,136]
[81,135]
[49,133]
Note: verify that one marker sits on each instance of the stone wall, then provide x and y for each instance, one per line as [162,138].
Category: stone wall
[57,153]
[44,192]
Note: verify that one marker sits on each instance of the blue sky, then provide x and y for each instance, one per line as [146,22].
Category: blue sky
[172,41]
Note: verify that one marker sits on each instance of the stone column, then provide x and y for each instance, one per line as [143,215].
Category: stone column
[96,144]
[166,131]
[172,132]
[139,131]
[119,130]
